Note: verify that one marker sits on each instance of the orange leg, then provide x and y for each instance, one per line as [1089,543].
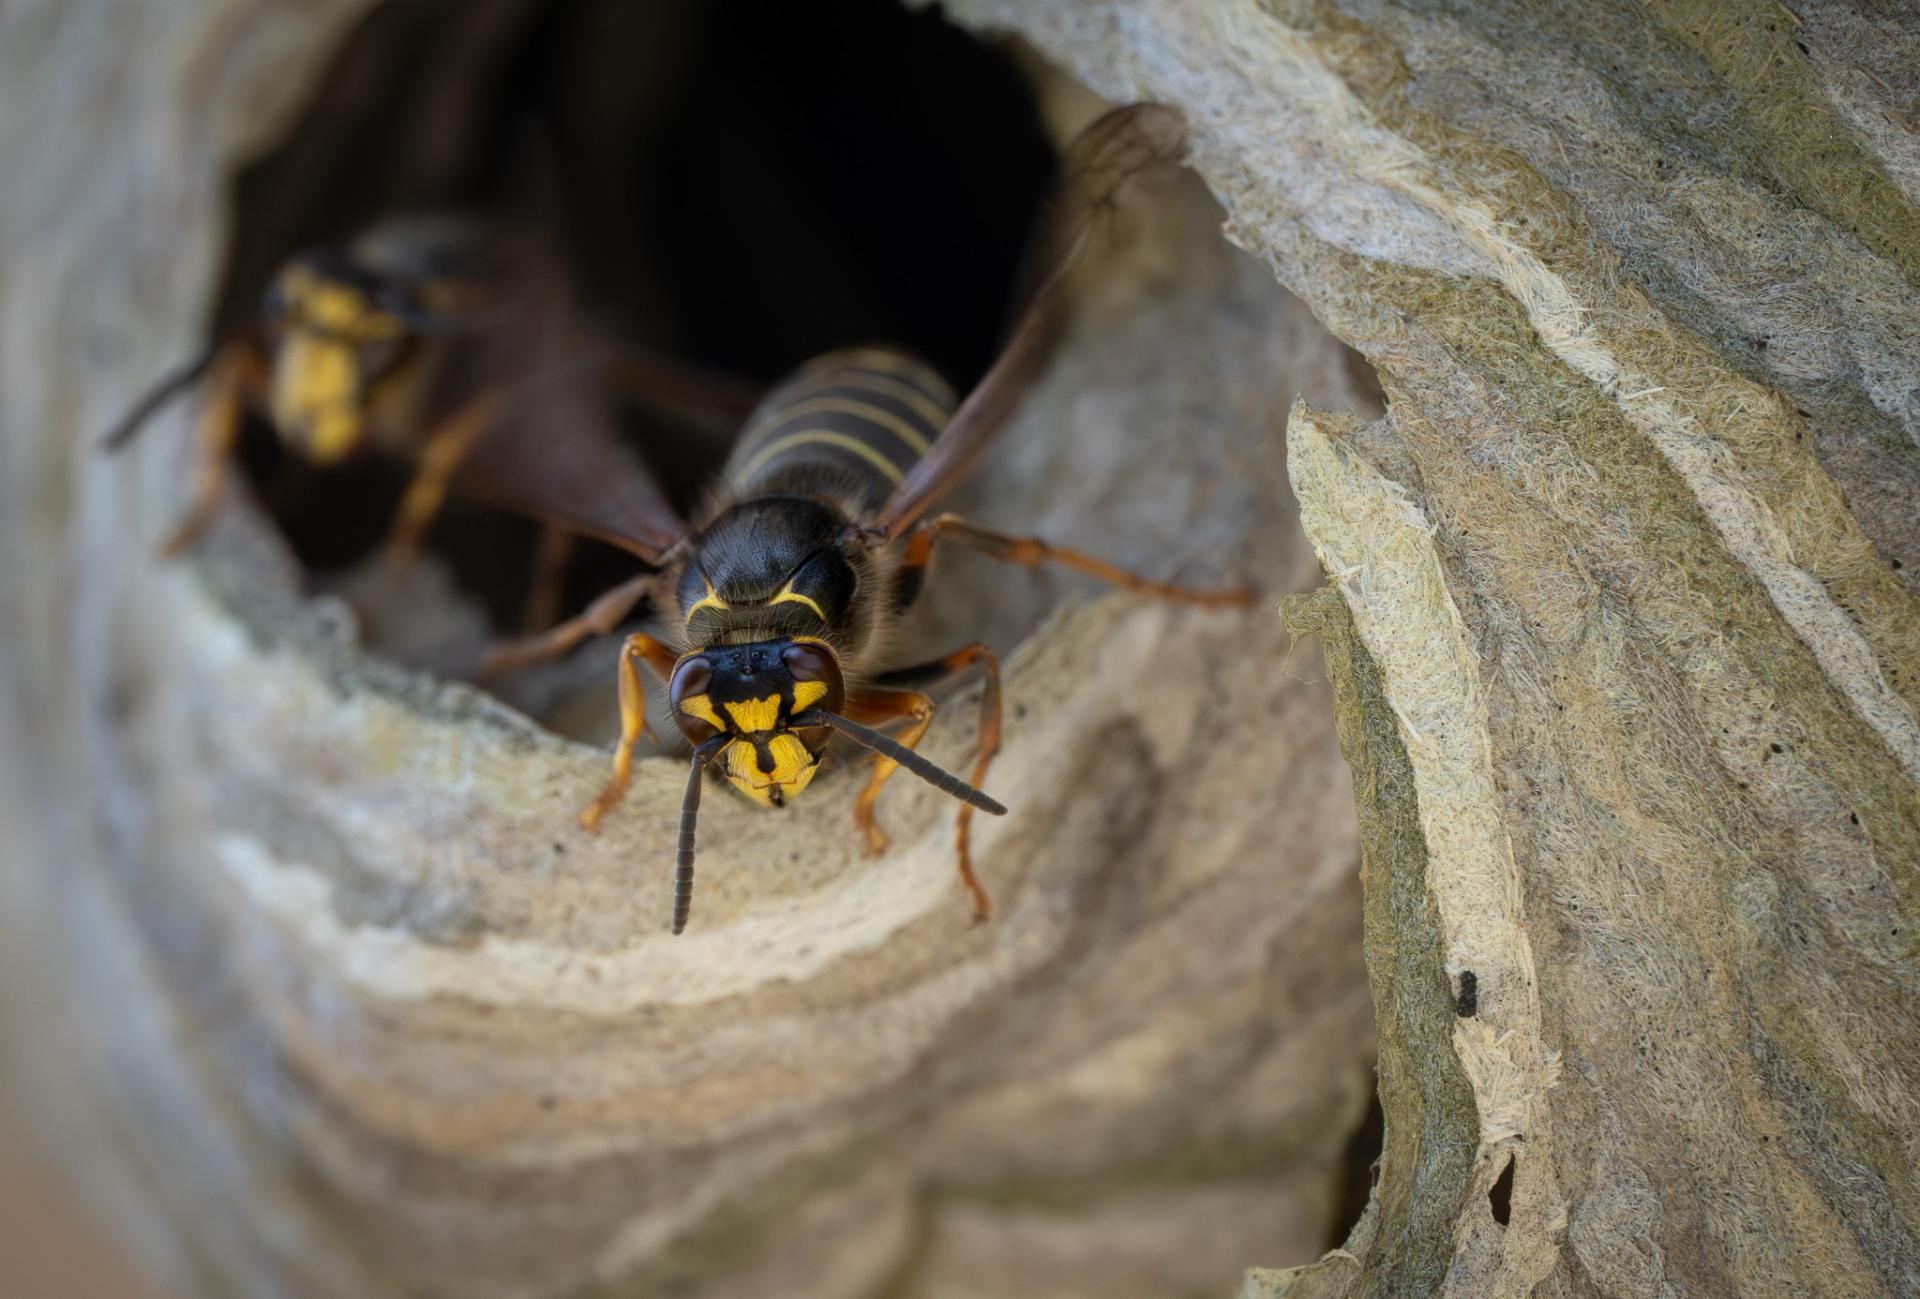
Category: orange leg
[922,713]
[877,708]
[236,376]
[601,617]
[919,549]
[983,758]
[441,451]
[550,562]
[633,719]
[1030,552]
[911,576]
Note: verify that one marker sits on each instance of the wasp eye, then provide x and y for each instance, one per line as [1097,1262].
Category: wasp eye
[810,663]
[691,678]
[397,303]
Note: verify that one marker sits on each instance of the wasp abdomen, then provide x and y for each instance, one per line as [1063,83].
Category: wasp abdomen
[851,422]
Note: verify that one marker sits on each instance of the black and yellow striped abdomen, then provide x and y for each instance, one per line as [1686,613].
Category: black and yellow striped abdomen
[849,424]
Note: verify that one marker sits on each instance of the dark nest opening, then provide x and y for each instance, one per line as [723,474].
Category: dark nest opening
[852,173]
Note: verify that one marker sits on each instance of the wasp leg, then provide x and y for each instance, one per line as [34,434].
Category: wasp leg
[633,719]
[876,708]
[945,669]
[441,451]
[1030,552]
[236,376]
[601,617]
[941,670]
[911,576]
[550,560]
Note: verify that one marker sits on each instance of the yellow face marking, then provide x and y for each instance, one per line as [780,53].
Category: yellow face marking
[755,715]
[316,397]
[793,768]
[701,708]
[808,693]
[335,309]
[711,600]
[790,596]
[888,470]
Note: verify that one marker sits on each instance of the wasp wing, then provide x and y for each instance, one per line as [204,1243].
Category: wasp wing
[713,400]
[554,453]
[1094,172]
[551,448]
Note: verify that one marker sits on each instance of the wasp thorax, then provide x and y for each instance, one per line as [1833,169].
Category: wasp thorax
[753,693]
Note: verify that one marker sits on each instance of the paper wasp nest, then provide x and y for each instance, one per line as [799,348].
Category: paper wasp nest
[1622,632]
[313,985]
[371,1015]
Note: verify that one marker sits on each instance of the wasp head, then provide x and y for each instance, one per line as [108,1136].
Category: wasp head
[336,332]
[752,693]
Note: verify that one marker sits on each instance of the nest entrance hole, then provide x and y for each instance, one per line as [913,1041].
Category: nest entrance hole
[852,173]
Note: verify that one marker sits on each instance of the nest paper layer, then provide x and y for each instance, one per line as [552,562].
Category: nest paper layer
[1626,641]
[312,978]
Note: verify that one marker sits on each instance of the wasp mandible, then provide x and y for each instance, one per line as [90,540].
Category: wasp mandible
[817,541]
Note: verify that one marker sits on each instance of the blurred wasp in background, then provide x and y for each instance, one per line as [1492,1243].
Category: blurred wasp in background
[817,540]
[427,340]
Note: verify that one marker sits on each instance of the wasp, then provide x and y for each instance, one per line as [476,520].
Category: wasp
[816,542]
[423,340]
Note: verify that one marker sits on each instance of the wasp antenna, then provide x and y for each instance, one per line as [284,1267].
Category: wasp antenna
[169,387]
[689,819]
[888,747]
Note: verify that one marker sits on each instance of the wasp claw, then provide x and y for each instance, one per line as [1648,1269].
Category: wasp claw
[591,814]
